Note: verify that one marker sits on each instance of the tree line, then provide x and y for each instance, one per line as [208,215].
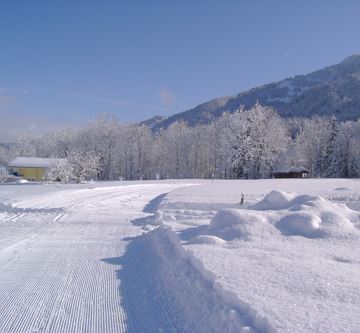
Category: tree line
[246,144]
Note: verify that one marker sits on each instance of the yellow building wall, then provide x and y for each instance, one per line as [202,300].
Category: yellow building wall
[35,174]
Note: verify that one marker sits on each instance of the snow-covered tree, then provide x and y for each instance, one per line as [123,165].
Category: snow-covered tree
[61,170]
[254,140]
[84,165]
[100,137]
[244,144]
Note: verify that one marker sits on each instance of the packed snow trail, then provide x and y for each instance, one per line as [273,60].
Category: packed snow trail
[55,275]
[77,261]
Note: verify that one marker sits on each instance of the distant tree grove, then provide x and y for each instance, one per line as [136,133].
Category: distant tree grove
[245,144]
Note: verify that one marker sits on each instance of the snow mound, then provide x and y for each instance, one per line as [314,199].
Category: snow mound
[336,218]
[308,216]
[336,222]
[275,200]
[229,224]
[301,223]
[293,215]
[207,239]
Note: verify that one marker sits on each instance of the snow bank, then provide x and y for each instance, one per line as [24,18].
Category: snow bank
[302,223]
[203,302]
[291,214]
[275,200]
[236,223]
[314,216]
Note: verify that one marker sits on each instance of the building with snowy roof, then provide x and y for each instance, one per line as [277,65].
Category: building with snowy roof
[33,168]
[294,172]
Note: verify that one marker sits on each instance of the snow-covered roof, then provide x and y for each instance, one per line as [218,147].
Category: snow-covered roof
[292,169]
[34,162]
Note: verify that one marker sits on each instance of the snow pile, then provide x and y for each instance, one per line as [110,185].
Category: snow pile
[312,216]
[275,200]
[235,223]
[291,214]
[302,223]
[206,306]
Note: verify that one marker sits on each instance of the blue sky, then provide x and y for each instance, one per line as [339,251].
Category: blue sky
[64,62]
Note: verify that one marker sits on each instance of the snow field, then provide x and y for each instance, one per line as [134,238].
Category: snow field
[290,253]
[102,259]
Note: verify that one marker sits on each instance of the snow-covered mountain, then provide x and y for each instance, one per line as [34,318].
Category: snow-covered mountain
[334,90]
[152,122]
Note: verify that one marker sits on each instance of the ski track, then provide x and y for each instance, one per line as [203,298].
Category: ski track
[53,274]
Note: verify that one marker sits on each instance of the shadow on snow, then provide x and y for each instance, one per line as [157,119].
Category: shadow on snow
[154,204]
[147,307]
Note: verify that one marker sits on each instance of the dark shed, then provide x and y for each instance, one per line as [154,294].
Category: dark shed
[294,172]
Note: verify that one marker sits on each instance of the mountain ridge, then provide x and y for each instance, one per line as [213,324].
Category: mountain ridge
[333,90]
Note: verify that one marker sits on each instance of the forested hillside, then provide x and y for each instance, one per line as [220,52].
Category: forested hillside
[334,90]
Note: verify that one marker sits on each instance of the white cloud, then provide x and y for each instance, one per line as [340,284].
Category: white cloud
[167,97]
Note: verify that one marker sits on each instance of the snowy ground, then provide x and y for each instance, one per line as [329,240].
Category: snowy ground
[64,260]
[293,257]
[102,258]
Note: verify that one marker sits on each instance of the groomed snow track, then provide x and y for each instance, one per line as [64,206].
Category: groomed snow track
[72,261]
[180,295]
